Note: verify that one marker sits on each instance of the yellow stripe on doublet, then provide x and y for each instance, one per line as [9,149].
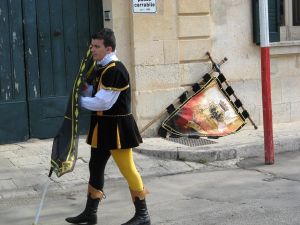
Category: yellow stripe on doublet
[94,143]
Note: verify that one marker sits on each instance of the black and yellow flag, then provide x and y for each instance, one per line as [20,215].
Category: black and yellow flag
[65,143]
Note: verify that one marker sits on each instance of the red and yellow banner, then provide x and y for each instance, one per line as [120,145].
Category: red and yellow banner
[208,112]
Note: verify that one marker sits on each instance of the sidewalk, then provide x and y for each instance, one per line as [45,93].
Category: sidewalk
[24,166]
[246,143]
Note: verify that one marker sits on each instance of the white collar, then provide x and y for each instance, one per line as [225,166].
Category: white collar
[107,59]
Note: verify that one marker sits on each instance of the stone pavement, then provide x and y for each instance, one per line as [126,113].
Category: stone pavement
[24,166]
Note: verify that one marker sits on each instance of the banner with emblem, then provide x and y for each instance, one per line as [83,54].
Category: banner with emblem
[207,112]
[209,108]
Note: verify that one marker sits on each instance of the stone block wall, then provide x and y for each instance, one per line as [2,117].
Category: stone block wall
[121,24]
[285,78]
[165,53]
[169,54]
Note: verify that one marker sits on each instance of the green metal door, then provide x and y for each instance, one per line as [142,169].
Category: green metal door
[13,105]
[41,44]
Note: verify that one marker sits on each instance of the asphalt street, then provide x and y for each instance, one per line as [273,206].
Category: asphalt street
[234,192]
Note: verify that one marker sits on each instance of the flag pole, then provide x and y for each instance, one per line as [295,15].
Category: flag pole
[40,206]
[266,82]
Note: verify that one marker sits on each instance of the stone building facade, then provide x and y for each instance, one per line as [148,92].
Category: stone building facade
[166,52]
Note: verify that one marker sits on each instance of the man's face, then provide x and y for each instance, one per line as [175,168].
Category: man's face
[99,51]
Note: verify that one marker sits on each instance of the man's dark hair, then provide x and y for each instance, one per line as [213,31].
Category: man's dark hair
[108,37]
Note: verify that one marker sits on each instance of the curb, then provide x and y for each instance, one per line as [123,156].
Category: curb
[219,151]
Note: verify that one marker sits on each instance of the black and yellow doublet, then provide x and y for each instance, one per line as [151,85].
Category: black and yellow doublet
[114,128]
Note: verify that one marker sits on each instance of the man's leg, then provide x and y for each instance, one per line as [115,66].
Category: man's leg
[95,193]
[124,160]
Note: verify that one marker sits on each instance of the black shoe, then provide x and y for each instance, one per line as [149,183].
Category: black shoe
[141,216]
[89,215]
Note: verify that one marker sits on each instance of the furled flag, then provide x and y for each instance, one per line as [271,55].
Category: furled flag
[65,143]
